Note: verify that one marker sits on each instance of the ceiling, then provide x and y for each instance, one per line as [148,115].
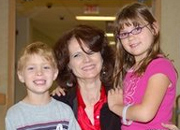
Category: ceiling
[52,17]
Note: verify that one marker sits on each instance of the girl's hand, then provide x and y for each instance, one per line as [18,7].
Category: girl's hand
[58,91]
[115,98]
[170,126]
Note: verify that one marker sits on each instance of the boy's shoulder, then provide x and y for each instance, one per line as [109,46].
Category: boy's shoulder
[60,104]
[15,109]
[21,107]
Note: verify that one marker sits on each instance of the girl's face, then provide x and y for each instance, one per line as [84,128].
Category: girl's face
[138,40]
[38,75]
[84,66]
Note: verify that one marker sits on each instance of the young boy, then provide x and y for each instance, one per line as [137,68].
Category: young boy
[37,69]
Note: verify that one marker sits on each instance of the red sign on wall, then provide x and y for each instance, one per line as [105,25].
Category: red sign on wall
[91,9]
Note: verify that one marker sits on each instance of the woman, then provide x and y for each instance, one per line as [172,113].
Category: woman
[85,63]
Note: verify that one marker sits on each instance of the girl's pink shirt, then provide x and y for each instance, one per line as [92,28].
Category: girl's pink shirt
[135,87]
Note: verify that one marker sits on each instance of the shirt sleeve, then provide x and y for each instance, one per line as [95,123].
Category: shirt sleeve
[164,66]
[8,124]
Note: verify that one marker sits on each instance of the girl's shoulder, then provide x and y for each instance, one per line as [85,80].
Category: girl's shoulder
[161,61]
[162,65]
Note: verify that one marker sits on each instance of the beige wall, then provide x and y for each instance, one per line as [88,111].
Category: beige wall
[22,39]
[170,31]
[3,54]
[7,40]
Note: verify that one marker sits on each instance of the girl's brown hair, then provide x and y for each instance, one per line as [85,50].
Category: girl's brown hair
[134,14]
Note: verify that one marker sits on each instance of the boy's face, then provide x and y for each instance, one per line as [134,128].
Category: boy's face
[37,74]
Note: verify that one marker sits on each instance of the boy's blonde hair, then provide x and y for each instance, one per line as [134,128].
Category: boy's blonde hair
[37,48]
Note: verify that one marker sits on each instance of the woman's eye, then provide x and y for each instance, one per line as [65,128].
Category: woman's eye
[76,55]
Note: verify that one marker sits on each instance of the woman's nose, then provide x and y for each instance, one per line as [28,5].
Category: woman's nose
[86,58]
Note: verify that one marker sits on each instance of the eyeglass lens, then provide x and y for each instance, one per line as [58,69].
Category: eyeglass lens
[135,31]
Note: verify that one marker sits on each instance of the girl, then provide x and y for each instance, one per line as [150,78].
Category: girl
[149,78]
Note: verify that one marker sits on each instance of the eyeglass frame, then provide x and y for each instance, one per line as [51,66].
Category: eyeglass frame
[131,32]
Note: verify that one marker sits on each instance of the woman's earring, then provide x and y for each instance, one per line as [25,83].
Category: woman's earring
[69,84]
[103,72]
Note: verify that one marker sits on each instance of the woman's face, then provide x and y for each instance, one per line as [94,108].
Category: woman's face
[84,66]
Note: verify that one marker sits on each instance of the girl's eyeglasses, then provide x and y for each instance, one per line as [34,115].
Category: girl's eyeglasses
[135,31]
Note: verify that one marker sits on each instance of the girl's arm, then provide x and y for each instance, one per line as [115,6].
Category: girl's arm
[115,100]
[144,112]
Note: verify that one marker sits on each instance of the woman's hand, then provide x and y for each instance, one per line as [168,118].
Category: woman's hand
[170,126]
[58,91]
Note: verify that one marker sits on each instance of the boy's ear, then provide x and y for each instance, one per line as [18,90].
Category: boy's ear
[55,74]
[21,78]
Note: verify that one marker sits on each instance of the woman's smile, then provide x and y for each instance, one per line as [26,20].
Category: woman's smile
[88,67]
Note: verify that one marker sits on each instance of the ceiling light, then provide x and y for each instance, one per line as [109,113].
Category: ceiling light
[112,42]
[109,34]
[96,18]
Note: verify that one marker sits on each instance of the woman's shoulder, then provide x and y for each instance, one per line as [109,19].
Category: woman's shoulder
[69,98]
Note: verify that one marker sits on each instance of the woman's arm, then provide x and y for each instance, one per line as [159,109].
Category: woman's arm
[170,126]
[58,91]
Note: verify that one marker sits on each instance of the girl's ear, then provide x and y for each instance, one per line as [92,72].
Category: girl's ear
[155,28]
[20,76]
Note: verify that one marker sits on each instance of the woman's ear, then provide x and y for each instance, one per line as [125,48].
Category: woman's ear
[155,28]
[69,67]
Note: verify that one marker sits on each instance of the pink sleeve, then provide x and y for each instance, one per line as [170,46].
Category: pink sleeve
[164,66]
